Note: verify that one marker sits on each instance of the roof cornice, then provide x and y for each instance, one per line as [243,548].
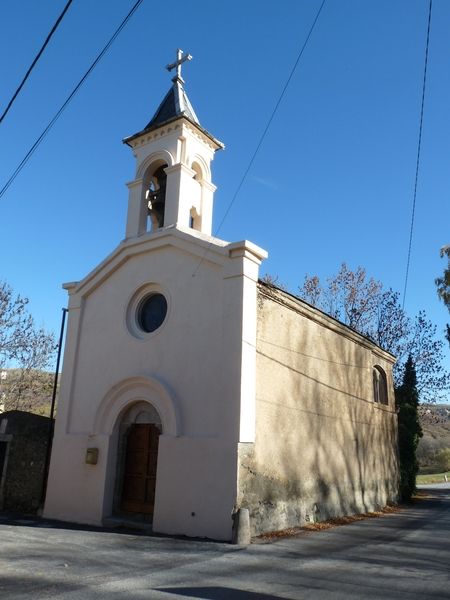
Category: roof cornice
[162,130]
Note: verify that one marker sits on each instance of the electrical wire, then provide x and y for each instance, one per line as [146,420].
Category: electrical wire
[413,211]
[263,136]
[68,99]
[36,58]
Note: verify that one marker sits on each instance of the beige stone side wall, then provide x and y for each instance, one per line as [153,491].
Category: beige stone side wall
[323,448]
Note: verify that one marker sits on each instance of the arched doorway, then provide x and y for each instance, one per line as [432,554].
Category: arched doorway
[139,431]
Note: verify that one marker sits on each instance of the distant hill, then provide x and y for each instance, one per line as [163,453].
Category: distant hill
[28,390]
[435,421]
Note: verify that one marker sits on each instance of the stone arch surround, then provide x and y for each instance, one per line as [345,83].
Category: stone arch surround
[163,156]
[203,165]
[129,391]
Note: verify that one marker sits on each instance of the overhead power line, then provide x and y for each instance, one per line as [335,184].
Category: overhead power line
[36,58]
[419,143]
[264,133]
[33,148]
[269,122]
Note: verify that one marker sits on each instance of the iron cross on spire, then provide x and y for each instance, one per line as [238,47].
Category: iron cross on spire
[181,58]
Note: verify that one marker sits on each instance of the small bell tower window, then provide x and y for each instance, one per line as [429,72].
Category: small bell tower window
[194,219]
[156,197]
[196,193]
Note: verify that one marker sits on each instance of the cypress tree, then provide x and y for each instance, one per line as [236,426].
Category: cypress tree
[409,429]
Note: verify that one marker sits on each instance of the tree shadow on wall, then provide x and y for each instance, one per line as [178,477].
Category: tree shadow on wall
[347,443]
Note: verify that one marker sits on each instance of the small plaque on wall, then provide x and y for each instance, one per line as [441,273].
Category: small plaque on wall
[92,456]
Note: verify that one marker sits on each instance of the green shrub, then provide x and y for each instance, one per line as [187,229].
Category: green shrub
[409,430]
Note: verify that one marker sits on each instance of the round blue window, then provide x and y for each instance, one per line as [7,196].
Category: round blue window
[151,312]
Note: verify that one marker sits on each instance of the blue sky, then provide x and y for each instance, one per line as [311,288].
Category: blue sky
[333,181]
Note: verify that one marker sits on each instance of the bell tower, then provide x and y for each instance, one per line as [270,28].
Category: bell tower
[172,186]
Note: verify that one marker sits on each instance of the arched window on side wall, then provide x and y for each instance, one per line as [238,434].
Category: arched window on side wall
[380,390]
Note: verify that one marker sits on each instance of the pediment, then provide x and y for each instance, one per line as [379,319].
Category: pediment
[208,251]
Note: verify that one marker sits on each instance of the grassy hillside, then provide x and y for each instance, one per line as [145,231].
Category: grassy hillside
[29,390]
[436,478]
[435,421]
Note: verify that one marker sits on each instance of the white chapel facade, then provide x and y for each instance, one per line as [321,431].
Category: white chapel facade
[191,390]
[160,344]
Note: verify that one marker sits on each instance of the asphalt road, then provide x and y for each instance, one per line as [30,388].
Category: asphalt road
[402,555]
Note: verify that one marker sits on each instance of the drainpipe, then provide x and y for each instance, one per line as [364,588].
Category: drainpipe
[52,410]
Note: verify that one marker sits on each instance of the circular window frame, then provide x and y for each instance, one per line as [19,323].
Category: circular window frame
[135,305]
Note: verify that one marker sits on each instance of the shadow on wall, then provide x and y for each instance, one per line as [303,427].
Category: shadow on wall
[335,449]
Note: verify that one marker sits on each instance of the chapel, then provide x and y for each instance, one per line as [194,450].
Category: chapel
[192,392]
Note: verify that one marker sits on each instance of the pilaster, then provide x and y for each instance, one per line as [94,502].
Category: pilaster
[178,201]
[137,209]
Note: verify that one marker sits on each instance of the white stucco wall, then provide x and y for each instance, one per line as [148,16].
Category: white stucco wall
[189,369]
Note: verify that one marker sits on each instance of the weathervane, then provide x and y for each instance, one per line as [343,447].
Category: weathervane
[181,58]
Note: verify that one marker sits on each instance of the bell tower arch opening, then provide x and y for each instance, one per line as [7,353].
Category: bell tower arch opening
[195,221]
[155,195]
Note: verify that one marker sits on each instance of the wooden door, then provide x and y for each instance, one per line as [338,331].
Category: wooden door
[139,480]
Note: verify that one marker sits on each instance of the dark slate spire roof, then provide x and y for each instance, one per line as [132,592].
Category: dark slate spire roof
[175,104]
